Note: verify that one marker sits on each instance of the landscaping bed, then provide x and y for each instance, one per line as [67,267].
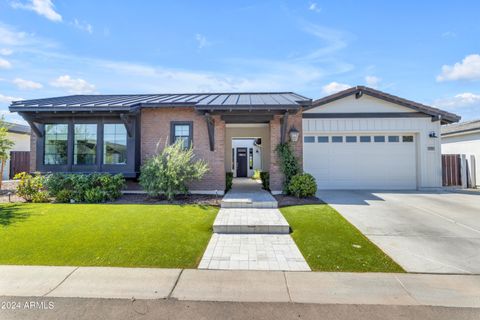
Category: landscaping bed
[328,242]
[199,199]
[287,200]
[124,235]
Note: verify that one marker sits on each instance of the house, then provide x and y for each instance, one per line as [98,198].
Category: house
[464,138]
[19,153]
[340,136]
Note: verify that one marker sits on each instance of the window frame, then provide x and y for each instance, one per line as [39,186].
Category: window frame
[103,163]
[367,137]
[173,124]
[97,143]
[323,137]
[392,138]
[342,140]
[375,139]
[45,145]
[408,136]
[354,138]
[310,138]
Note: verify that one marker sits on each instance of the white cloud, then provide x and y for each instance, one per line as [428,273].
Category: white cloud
[202,41]
[8,99]
[27,84]
[334,87]
[84,26]
[468,69]
[372,81]
[314,7]
[461,100]
[77,86]
[449,34]
[6,52]
[44,8]
[5,64]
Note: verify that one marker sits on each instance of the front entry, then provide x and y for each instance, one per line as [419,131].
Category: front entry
[242,162]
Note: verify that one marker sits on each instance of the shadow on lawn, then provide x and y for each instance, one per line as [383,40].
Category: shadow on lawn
[12,214]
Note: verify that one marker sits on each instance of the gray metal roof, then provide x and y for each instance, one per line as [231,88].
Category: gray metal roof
[17,128]
[204,101]
[462,127]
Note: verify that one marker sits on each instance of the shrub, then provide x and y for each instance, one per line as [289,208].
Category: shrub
[228,181]
[265,177]
[288,163]
[256,175]
[94,195]
[170,171]
[67,186]
[30,187]
[64,196]
[302,185]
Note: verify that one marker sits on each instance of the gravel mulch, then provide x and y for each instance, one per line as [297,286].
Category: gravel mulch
[286,201]
[200,199]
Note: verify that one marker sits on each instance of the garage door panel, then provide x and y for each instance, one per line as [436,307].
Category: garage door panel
[357,165]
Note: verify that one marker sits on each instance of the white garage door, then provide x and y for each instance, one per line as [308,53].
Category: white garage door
[361,161]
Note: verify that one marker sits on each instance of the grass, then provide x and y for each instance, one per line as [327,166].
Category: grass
[167,236]
[330,243]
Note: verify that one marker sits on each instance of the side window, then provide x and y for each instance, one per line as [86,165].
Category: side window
[56,144]
[182,131]
[85,144]
[114,143]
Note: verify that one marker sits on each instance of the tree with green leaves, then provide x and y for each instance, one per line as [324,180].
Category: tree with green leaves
[5,145]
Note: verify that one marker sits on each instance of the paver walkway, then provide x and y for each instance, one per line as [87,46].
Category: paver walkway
[250,233]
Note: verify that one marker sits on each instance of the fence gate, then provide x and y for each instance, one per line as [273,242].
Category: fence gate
[452,170]
[19,162]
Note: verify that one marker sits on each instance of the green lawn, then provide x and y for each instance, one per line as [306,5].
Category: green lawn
[330,243]
[168,236]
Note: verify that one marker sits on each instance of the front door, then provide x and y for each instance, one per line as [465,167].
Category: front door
[242,158]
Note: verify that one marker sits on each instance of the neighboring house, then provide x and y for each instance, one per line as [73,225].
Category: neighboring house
[239,132]
[20,135]
[464,138]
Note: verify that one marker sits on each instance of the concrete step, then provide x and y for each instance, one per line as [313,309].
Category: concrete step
[257,199]
[250,221]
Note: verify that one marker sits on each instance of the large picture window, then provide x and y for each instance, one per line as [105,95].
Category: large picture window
[85,144]
[56,144]
[114,144]
[182,132]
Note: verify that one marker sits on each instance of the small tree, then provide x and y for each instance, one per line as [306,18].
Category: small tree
[171,170]
[5,145]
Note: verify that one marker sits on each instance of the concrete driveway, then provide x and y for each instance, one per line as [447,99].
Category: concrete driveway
[434,232]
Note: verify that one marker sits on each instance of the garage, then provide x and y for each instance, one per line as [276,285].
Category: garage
[361,160]
[362,138]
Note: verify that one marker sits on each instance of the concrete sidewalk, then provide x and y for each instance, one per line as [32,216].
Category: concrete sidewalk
[241,286]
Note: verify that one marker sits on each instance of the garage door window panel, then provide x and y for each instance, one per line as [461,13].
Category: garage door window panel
[393,139]
[351,139]
[322,139]
[365,139]
[407,138]
[309,139]
[337,139]
[379,139]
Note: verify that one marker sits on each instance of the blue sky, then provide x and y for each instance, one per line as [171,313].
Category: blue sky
[427,51]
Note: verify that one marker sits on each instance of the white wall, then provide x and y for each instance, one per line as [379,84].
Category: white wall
[429,166]
[22,143]
[468,144]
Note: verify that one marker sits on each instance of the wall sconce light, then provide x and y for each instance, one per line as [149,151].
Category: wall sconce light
[432,134]
[294,133]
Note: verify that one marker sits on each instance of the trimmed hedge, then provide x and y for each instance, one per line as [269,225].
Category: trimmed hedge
[302,185]
[228,181]
[265,177]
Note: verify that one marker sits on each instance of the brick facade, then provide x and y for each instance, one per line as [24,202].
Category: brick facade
[155,133]
[276,176]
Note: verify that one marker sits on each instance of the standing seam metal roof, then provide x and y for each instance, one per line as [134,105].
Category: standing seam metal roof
[199,100]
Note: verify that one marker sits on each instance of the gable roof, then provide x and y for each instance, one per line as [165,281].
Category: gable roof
[463,127]
[444,116]
[17,128]
[203,101]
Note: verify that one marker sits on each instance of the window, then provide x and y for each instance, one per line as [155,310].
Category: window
[407,138]
[379,138]
[85,144]
[350,139]
[182,132]
[309,139]
[56,144]
[365,139]
[114,143]
[322,139]
[250,158]
[337,139]
[393,139]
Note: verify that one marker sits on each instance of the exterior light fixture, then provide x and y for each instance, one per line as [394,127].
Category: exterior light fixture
[432,134]
[294,133]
